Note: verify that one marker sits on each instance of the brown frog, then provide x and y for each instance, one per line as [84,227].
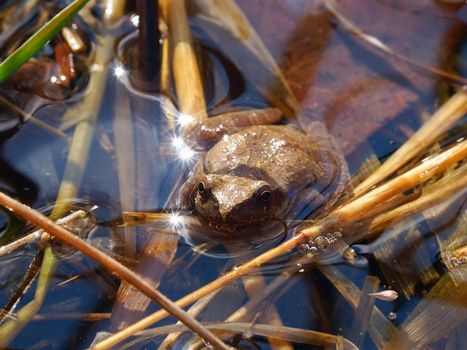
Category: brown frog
[255,172]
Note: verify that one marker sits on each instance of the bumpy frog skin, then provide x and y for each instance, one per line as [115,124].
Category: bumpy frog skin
[255,173]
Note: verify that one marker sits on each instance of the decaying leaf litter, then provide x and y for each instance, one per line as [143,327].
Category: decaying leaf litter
[399,232]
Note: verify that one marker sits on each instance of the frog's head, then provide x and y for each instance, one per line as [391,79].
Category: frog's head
[229,202]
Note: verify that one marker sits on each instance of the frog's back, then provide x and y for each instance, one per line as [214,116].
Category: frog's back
[281,153]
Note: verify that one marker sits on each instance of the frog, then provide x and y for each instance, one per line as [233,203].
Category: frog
[254,170]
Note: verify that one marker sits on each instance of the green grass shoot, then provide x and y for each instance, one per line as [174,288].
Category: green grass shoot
[39,39]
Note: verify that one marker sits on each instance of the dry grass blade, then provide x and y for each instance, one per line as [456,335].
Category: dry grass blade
[456,185]
[110,264]
[370,204]
[357,211]
[444,118]
[375,42]
[72,316]
[228,16]
[296,335]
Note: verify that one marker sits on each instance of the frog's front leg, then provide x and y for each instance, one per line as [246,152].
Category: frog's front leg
[205,133]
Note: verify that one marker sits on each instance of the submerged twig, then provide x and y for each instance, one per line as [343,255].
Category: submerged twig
[12,327]
[110,264]
[363,311]
[361,209]
[380,328]
[27,280]
[36,235]
[445,117]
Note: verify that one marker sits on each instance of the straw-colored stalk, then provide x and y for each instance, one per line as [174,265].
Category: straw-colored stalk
[110,264]
[443,119]
[424,202]
[357,211]
[188,83]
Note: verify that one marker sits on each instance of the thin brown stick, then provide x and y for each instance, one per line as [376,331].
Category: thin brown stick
[110,264]
[446,116]
[357,211]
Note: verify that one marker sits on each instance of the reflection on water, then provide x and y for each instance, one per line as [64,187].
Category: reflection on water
[370,103]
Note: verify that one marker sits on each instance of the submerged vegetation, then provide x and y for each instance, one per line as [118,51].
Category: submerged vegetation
[96,104]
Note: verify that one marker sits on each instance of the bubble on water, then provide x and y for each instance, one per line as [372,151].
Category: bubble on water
[392,316]
[320,243]
[304,248]
[456,261]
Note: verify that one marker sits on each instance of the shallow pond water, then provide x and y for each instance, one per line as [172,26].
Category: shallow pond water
[370,102]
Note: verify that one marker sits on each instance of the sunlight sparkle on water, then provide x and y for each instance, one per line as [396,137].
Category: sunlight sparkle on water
[176,220]
[135,20]
[183,151]
[119,71]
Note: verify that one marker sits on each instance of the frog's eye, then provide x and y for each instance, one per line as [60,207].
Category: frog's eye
[265,196]
[201,187]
